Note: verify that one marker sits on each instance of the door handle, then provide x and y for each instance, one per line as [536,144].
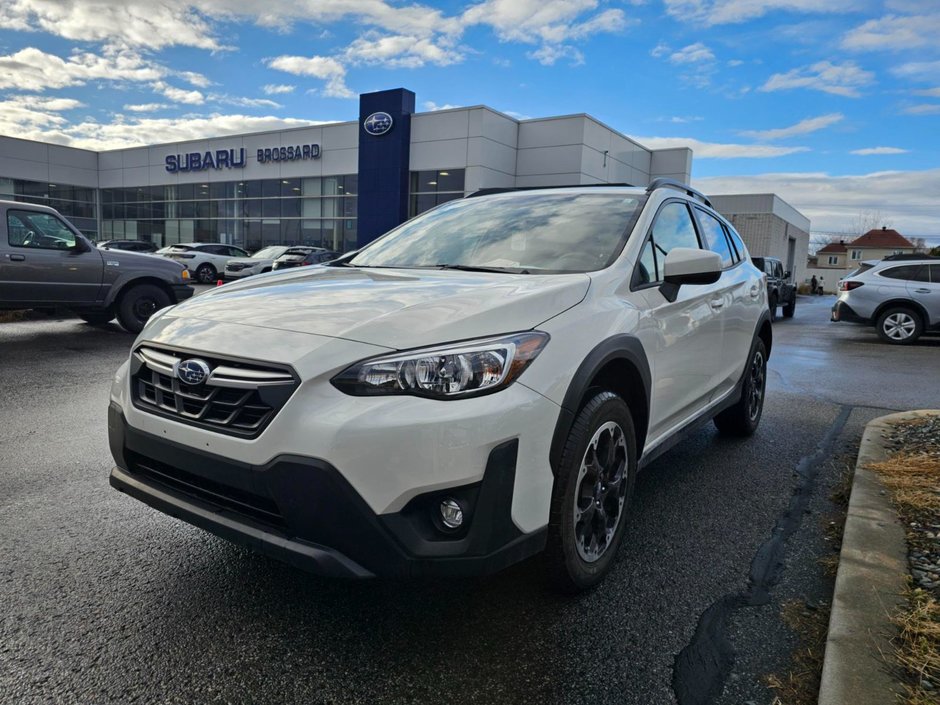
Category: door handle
[17,258]
[716,303]
[922,291]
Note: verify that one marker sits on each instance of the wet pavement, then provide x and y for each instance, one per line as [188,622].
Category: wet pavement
[107,601]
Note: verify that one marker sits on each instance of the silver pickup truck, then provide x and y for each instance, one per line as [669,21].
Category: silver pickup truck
[45,263]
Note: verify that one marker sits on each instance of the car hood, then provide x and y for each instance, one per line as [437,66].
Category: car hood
[394,308]
[141,260]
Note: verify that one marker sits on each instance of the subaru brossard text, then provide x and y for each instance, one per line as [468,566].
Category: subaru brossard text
[477,386]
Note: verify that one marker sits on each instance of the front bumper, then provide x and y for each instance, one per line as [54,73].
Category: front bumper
[301,510]
[841,311]
[181,292]
[240,274]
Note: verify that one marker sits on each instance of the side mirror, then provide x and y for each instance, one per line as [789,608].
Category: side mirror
[786,274]
[687,265]
[81,245]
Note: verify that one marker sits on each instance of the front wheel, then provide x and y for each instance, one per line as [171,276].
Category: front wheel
[591,494]
[206,273]
[138,304]
[743,418]
[899,326]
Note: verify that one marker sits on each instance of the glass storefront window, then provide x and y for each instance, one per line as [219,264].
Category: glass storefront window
[431,188]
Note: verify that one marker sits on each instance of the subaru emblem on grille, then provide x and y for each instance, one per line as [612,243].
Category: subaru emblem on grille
[193,371]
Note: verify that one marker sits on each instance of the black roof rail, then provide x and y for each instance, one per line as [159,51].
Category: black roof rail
[510,189]
[909,256]
[679,186]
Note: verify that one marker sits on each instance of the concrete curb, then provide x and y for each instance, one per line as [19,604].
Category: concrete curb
[869,584]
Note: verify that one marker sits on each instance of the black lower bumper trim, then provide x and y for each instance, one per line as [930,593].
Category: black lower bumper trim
[181,292]
[841,311]
[303,511]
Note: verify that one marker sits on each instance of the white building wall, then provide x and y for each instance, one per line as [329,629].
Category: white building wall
[50,163]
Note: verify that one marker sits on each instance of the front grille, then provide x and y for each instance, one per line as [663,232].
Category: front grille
[236,398]
[251,504]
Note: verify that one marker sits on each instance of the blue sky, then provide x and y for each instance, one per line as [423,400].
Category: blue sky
[834,104]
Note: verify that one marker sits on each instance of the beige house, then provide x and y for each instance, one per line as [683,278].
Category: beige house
[845,256]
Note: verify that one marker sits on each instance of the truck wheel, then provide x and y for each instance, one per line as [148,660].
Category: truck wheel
[97,318]
[138,304]
[206,274]
[790,307]
[743,418]
[772,303]
[591,494]
[899,326]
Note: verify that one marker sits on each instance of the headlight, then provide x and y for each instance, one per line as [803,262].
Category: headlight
[445,372]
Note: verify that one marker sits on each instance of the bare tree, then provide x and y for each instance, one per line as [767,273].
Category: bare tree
[865,221]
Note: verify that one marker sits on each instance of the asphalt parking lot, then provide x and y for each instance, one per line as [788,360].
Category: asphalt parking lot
[107,601]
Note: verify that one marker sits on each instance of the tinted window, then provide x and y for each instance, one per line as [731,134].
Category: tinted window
[909,272]
[736,240]
[715,239]
[673,228]
[935,273]
[38,230]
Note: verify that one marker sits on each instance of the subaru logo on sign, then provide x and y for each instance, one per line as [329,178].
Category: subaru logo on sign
[192,371]
[377,123]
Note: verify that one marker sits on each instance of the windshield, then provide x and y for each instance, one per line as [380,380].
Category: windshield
[269,253]
[531,232]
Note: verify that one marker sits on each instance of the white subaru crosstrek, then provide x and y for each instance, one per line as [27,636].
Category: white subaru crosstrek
[479,385]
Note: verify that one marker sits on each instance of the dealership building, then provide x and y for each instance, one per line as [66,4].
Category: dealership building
[337,185]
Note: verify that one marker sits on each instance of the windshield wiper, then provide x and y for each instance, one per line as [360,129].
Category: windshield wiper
[473,268]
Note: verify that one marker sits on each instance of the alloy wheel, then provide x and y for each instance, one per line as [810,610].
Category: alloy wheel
[899,325]
[600,491]
[758,375]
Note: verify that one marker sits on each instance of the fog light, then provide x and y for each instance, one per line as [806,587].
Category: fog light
[451,514]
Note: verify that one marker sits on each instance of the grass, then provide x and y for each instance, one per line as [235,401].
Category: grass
[800,684]
[914,482]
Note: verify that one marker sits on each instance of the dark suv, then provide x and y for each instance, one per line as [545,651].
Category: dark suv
[780,290]
[45,263]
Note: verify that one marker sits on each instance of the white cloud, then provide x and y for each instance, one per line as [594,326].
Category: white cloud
[39,102]
[552,21]
[803,127]
[35,70]
[734,62]
[145,107]
[719,150]
[894,33]
[907,198]
[918,70]
[245,102]
[879,150]
[194,79]
[660,50]
[838,79]
[923,109]
[692,54]
[322,67]
[682,120]
[548,54]
[277,88]
[431,106]
[715,12]
[178,95]
[400,51]
[929,92]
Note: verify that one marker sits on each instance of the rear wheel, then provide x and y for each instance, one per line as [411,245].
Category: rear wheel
[206,273]
[138,304]
[97,318]
[899,326]
[591,493]
[790,307]
[743,418]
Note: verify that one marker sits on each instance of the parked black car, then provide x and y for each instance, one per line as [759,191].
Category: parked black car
[45,263]
[128,245]
[301,255]
[780,290]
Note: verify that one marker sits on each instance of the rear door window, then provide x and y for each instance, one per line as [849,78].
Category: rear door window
[907,272]
[715,239]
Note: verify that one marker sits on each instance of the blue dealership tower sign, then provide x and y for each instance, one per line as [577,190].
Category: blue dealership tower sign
[384,151]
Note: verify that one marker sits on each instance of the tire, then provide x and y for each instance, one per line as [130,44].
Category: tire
[138,304]
[772,304]
[97,318]
[899,325]
[743,418]
[579,518]
[206,273]
[790,307]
